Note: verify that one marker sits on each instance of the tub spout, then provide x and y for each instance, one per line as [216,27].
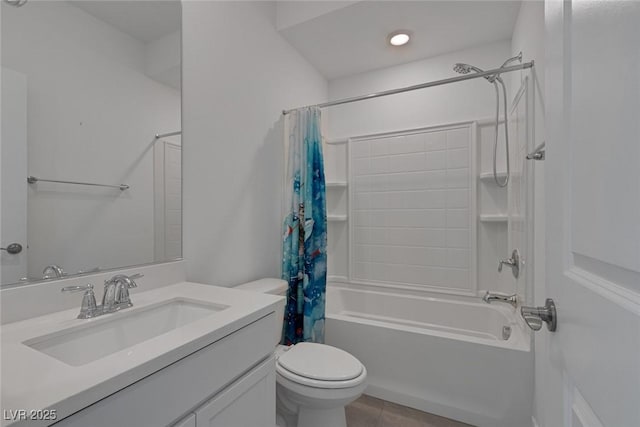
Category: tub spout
[489,297]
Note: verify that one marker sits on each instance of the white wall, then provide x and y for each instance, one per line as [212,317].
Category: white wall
[465,101]
[528,37]
[163,58]
[92,115]
[238,75]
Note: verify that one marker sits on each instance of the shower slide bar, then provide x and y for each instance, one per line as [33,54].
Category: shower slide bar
[33,180]
[164,135]
[419,86]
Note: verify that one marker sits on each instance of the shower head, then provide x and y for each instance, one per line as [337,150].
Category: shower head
[461,68]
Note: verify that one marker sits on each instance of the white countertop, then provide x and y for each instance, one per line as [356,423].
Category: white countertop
[32,380]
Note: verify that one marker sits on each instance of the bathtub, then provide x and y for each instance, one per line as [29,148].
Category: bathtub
[447,356]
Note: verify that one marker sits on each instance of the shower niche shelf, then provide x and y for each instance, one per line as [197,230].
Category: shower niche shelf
[500,218]
[488,176]
[337,202]
[336,184]
[494,218]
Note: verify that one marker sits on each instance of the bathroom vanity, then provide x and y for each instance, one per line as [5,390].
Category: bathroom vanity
[184,355]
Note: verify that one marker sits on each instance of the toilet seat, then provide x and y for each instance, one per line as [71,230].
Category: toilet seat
[320,366]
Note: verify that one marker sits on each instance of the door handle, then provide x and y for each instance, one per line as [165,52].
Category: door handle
[13,248]
[534,316]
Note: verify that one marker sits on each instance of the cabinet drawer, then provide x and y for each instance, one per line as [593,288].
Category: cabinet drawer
[249,402]
[163,397]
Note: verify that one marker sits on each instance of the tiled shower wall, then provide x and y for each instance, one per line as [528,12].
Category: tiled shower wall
[413,209]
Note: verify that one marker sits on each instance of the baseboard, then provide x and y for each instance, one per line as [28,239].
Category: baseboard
[420,404]
[466,415]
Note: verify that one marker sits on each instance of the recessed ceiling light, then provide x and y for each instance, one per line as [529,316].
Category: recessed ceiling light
[399,38]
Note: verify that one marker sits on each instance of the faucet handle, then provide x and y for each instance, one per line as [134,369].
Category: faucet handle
[133,277]
[89,307]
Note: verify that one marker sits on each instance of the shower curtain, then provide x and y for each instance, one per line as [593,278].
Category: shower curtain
[304,264]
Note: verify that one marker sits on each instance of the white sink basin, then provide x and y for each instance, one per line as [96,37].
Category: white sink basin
[118,331]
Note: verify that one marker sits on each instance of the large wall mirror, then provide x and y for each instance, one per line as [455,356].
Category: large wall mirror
[87,86]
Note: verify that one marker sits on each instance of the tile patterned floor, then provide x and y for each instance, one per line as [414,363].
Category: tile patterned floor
[368,411]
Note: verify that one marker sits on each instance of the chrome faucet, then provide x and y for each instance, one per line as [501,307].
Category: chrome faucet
[57,271]
[116,296]
[489,297]
[116,292]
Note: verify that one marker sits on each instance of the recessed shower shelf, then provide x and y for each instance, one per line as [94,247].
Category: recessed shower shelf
[487,176]
[336,184]
[336,218]
[494,218]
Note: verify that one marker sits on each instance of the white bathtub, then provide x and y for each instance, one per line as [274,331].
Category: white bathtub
[440,355]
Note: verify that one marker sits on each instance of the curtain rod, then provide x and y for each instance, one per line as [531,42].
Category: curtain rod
[418,86]
[164,135]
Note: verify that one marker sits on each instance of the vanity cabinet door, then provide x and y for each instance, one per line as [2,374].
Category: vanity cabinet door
[249,402]
[190,421]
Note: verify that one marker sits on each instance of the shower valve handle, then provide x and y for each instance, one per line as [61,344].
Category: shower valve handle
[514,262]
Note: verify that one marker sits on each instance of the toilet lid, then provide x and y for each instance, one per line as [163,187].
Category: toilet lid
[320,362]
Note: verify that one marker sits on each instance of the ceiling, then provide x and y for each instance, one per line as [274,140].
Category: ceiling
[146,20]
[353,39]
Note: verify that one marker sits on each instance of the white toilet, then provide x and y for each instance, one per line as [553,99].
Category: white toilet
[314,382]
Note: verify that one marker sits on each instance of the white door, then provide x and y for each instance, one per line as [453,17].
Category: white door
[592,363]
[13,153]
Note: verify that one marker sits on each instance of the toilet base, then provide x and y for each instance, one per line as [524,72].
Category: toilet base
[309,417]
[300,406]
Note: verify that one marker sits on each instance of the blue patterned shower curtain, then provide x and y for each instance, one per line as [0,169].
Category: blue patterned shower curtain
[304,264]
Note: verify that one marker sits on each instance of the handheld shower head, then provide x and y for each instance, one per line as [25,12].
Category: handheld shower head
[461,68]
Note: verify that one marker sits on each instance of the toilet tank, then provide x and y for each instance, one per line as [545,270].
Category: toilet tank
[273,287]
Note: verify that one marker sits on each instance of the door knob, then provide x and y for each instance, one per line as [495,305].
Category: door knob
[13,248]
[534,316]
